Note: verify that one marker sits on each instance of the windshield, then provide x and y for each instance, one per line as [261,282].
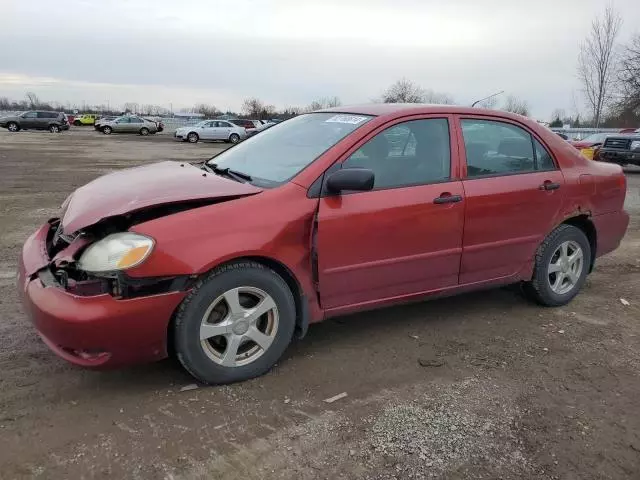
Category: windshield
[280,152]
[596,137]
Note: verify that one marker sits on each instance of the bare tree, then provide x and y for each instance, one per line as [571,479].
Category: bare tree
[32,100]
[209,111]
[596,61]
[324,102]
[404,91]
[252,107]
[514,104]
[429,96]
[629,76]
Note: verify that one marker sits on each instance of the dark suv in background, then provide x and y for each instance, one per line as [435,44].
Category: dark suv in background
[36,120]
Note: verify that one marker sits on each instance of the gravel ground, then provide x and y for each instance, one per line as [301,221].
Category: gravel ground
[485,385]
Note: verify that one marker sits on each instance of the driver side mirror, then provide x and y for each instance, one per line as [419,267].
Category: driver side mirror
[356,179]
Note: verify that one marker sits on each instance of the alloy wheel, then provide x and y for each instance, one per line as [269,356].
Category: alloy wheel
[565,267]
[239,326]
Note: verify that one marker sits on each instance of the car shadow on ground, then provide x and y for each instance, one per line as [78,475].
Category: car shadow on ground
[390,325]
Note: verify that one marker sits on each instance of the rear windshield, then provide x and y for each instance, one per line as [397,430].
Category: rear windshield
[279,153]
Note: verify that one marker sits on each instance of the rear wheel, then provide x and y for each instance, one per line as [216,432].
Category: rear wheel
[144,131]
[193,137]
[234,138]
[13,127]
[77,123]
[235,324]
[561,267]
[54,128]
[107,130]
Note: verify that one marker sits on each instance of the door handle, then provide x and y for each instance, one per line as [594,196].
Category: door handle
[549,186]
[447,198]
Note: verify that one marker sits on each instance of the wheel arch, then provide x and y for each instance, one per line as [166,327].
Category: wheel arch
[301,304]
[584,223]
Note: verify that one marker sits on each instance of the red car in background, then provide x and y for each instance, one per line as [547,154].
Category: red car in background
[331,212]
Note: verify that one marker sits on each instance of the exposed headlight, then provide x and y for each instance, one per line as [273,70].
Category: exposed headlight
[635,145]
[117,251]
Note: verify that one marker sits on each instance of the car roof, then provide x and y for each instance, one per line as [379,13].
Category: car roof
[396,109]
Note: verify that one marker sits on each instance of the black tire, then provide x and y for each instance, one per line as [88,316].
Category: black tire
[539,288]
[234,138]
[107,130]
[54,129]
[192,310]
[13,127]
[144,131]
[193,137]
[77,123]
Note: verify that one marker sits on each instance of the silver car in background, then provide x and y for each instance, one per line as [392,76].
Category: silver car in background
[129,124]
[211,130]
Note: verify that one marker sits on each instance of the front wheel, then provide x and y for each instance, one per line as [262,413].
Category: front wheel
[193,137]
[561,266]
[235,324]
[77,123]
[13,127]
[234,138]
[107,130]
[54,128]
[144,131]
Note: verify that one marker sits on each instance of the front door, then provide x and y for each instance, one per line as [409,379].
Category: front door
[514,194]
[208,131]
[404,236]
[121,125]
[29,120]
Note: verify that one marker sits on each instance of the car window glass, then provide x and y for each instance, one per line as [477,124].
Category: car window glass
[123,120]
[410,153]
[544,160]
[225,124]
[496,148]
[136,120]
[30,115]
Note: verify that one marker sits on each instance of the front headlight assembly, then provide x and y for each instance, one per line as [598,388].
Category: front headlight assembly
[635,145]
[118,251]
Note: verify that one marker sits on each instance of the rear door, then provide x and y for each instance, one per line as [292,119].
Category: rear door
[224,130]
[514,194]
[403,237]
[135,124]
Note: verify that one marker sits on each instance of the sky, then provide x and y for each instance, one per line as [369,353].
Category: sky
[176,53]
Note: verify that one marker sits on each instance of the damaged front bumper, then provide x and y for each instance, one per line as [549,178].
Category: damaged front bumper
[95,322]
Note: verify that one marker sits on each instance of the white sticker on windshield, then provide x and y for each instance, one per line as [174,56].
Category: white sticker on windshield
[353,119]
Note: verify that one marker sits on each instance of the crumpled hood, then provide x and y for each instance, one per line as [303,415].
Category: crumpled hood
[137,188]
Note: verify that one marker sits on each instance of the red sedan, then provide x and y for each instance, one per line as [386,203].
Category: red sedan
[336,211]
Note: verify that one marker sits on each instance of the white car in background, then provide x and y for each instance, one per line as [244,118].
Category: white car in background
[211,130]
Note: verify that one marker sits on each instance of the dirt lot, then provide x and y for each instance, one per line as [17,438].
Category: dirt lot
[485,385]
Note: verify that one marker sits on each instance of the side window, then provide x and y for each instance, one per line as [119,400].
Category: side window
[543,157]
[225,125]
[409,153]
[496,148]
[123,120]
[135,120]
[30,115]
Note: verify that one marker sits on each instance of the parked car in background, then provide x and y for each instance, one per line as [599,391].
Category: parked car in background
[129,124]
[248,125]
[588,145]
[85,119]
[620,149]
[211,130]
[331,212]
[55,122]
[103,120]
[262,128]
